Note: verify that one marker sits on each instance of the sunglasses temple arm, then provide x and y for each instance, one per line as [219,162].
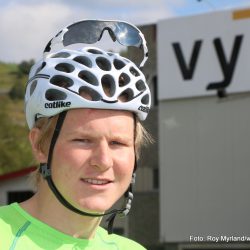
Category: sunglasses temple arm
[47,49]
[145,50]
[56,40]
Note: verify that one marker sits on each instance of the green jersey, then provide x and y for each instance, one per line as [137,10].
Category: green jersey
[20,231]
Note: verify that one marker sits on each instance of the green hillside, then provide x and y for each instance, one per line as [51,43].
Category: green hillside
[7,75]
[15,152]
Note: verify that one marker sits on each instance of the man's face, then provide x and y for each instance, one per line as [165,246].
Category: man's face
[93,158]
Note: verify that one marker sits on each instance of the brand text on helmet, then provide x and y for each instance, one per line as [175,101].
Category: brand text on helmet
[144,109]
[57,104]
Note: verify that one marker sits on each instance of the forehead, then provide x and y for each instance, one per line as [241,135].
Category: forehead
[99,119]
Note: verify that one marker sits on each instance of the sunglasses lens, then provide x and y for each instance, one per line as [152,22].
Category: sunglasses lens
[83,32]
[127,35]
[90,32]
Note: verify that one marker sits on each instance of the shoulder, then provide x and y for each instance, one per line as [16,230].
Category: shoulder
[120,241]
[9,217]
[7,231]
[6,212]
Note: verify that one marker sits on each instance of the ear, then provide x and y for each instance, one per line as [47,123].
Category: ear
[34,135]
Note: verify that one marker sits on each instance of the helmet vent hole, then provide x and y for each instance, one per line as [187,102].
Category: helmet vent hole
[103,63]
[65,67]
[126,95]
[108,85]
[83,60]
[145,100]
[140,85]
[95,51]
[88,77]
[61,81]
[110,53]
[41,67]
[89,94]
[55,95]
[61,55]
[134,71]
[123,80]
[118,64]
[33,87]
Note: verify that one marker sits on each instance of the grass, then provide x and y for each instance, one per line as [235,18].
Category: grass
[15,151]
[8,74]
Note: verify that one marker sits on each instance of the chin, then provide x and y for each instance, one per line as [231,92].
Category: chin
[94,207]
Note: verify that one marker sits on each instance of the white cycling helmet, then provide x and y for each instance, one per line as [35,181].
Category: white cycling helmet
[85,78]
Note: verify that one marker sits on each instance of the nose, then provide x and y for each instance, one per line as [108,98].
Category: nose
[102,156]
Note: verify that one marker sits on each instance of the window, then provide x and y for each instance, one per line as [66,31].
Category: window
[119,231]
[19,196]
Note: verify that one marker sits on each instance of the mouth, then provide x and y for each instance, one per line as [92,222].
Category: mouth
[96,181]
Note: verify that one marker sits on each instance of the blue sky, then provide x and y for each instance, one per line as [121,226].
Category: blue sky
[27,25]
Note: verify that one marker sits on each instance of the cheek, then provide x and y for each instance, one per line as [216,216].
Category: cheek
[125,165]
[68,160]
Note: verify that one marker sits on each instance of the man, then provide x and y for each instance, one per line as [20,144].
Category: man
[83,108]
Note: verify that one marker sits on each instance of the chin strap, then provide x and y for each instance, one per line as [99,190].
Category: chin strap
[45,170]
[128,203]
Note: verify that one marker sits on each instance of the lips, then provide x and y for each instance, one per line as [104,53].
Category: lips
[96,181]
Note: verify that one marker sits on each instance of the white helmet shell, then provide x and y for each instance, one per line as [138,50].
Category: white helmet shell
[85,78]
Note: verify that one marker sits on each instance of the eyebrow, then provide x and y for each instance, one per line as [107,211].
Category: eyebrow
[86,133]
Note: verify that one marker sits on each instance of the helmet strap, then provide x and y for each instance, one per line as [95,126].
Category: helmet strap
[127,204]
[45,170]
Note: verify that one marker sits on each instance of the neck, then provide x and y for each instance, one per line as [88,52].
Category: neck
[45,207]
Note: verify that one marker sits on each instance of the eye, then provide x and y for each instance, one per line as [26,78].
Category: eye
[81,140]
[117,143]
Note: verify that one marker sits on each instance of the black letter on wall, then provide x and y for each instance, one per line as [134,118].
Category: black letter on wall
[187,70]
[226,67]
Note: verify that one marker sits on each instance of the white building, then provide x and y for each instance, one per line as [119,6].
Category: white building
[15,186]
[204,129]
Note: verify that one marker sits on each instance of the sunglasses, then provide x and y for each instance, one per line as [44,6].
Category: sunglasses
[91,31]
